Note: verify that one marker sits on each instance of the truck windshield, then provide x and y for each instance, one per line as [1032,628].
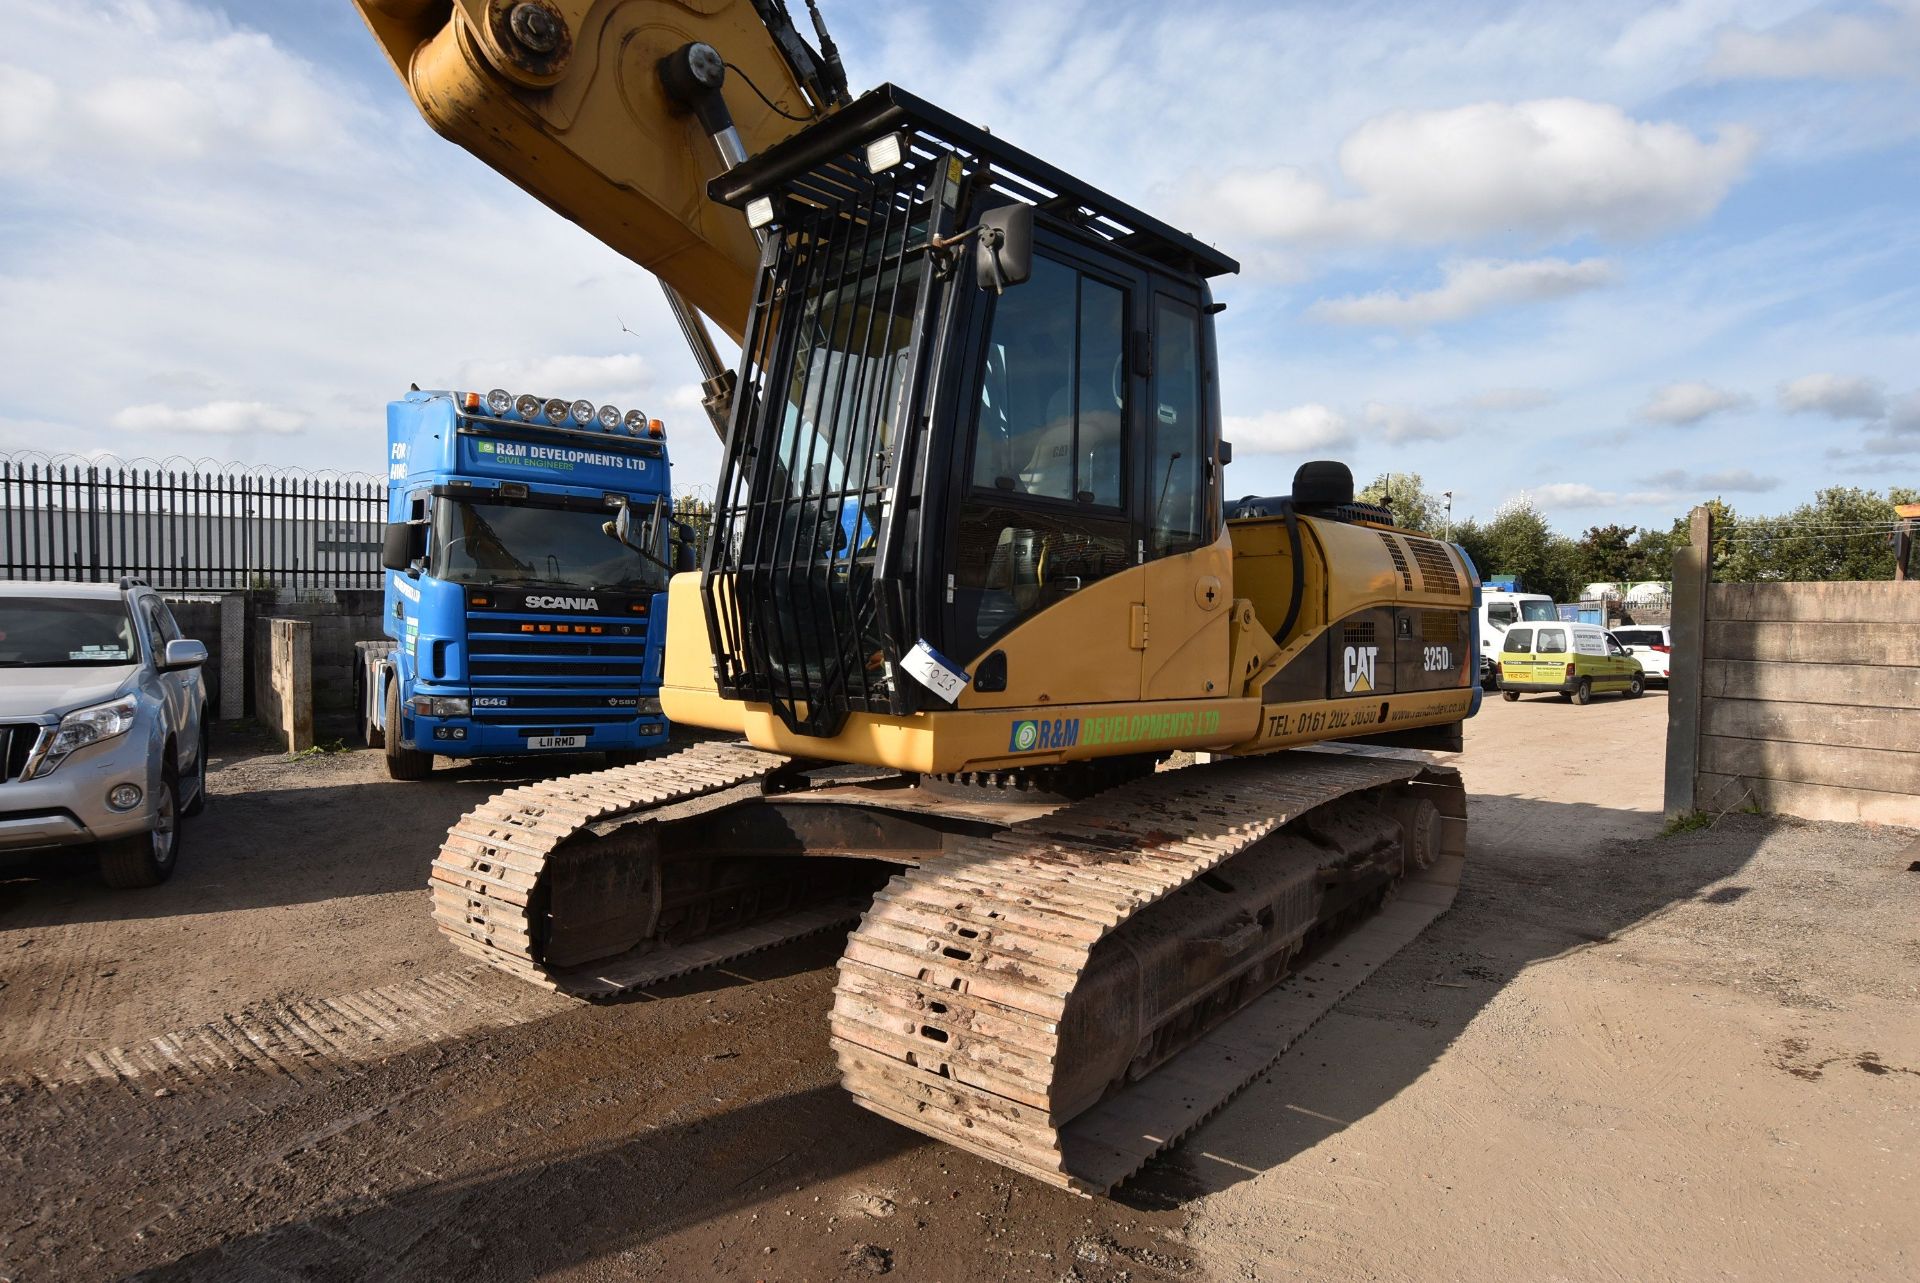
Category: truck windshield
[1538,610]
[47,632]
[533,545]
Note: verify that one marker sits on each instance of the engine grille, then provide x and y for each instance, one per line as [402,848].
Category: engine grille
[1437,571]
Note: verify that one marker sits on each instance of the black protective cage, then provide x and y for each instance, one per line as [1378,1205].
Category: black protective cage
[810,581]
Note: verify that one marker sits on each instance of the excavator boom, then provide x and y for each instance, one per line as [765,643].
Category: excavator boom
[567,99]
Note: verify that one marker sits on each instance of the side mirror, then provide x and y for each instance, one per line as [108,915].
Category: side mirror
[685,556]
[182,652]
[1003,250]
[403,544]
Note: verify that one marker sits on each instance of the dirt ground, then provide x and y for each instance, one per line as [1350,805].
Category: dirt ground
[1619,1056]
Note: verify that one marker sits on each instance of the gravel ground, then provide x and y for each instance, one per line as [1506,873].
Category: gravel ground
[1620,1056]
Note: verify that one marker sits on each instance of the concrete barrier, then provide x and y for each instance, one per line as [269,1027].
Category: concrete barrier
[287,708]
[1797,698]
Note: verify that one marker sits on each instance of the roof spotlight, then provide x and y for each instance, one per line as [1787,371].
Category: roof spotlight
[557,410]
[528,405]
[499,401]
[636,421]
[884,152]
[583,412]
[609,417]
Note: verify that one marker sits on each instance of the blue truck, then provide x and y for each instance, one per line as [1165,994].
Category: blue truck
[526,554]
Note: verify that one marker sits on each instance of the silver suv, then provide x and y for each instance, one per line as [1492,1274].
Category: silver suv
[103,732]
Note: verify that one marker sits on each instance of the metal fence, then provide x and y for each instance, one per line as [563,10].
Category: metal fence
[203,525]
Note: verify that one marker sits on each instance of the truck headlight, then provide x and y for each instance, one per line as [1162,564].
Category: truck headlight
[441,705]
[649,707]
[84,726]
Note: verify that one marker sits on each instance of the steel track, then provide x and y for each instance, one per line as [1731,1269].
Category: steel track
[947,1011]
[947,1015]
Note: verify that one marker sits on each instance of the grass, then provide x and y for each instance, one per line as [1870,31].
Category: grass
[319,750]
[1691,822]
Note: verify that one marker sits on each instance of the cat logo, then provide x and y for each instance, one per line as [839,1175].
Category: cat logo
[1358,668]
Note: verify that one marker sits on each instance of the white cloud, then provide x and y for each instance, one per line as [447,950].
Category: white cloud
[1470,288]
[215,418]
[1398,424]
[1731,481]
[1881,44]
[1550,169]
[1579,494]
[1688,403]
[1304,427]
[1502,400]
[1838,396]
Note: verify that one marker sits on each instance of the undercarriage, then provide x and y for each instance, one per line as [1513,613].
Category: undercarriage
[1064,984]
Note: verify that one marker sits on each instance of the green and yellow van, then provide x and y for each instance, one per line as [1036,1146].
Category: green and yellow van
[1575,661]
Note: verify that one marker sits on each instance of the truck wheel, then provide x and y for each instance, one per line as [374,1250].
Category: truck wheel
[1637,689]
[1583,693]
[1510,696]
[147,859]
[403,763]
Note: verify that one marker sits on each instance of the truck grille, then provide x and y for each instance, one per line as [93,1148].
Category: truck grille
[16,743]
[507,658]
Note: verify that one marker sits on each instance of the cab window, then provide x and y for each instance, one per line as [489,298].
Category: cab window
[1177,479]
[1502,615]
[1553,641]
[1537,610]
[1047,510]
[1519,641]
[1050,406]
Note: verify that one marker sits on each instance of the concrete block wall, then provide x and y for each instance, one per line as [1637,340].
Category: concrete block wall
[352,616]
[1800,698]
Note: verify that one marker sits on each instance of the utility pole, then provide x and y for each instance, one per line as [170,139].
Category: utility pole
[1909,514]
[1448,537]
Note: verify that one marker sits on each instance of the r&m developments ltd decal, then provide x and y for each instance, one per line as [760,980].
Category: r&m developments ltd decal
[1035,734]
[555,458]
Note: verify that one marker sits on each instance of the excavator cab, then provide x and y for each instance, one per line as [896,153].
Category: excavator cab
[971,388]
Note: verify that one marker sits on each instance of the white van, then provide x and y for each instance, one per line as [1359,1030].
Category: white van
[1499,611]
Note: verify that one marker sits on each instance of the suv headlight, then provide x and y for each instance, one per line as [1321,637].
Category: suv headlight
[84,726]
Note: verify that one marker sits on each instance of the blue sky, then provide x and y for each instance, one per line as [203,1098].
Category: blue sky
[1616,258]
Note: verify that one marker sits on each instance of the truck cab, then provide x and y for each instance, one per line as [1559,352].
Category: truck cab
[1500,609]
[527,551]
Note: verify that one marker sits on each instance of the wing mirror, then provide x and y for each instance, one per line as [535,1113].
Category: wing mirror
[1003,247]
[655,528]
[182,652]
[404,543]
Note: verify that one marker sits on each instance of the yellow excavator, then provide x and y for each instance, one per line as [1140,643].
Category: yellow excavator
[1091,756]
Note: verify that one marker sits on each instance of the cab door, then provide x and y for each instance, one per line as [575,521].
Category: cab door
[1043,550]
[1188,578]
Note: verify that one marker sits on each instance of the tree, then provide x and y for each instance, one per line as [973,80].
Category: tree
[1606,555]
[1844,534]
[1653,555]
[1406,496]
[1519,542]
